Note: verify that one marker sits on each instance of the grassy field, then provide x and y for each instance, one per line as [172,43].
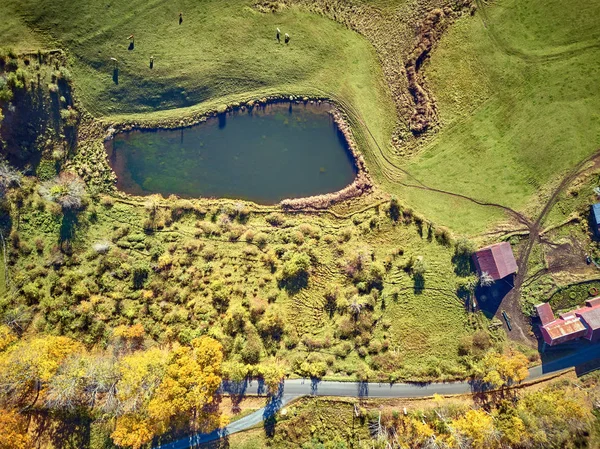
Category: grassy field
[514,83]
[517,94]
[210,270]
[221,53]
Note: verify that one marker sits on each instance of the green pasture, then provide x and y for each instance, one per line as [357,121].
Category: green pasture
[518,100]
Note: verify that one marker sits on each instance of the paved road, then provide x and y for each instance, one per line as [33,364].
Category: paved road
[296,388]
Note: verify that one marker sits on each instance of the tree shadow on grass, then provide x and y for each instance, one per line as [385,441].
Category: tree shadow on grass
[463,264]
[64,430]
[68,226]
[295,284]
[419,283]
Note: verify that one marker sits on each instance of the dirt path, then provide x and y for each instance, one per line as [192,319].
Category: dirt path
[511,302]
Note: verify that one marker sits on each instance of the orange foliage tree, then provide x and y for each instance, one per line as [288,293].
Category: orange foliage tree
[13,433]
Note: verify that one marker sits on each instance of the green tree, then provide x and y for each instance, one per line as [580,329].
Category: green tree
[295,271]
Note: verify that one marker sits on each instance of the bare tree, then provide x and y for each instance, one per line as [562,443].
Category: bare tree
[9,177]
[486,280]
[355,308]
[67,190]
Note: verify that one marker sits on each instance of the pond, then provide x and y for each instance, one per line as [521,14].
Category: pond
[263,154]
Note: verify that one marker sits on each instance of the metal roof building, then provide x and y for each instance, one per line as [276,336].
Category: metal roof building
[583,322]
[545,313]
[590,315]
[596,213]
[497,260]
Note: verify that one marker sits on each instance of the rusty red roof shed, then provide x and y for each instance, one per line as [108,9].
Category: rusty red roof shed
[545,313]
[497,260]
[562,330]
[583,322]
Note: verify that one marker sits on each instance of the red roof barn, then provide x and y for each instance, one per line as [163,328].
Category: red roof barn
[497,260]
[583,322]
[545,313]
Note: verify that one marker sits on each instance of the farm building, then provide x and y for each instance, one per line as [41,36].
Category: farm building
[579,323]
[497,260]
[595,219]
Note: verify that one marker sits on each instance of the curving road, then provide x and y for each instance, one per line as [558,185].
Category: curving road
[295,388]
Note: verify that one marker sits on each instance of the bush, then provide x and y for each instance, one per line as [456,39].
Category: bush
[261,240]
[294,273]
[275,219]
[251,352]
[419,267]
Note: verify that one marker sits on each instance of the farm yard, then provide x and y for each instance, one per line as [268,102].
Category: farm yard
[464,124]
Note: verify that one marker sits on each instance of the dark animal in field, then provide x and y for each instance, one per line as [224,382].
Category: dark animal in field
[278,35]
[287,38]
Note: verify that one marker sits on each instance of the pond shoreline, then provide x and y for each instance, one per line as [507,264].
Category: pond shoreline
[361,184]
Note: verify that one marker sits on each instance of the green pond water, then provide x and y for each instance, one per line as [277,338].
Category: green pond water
[266,154]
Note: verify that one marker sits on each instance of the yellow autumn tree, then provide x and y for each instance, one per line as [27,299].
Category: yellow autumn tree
[130,337]
[504,370]
[192,378]
[140,374]
[555,416]
[13,433]
[477,427]
[133,430]
[512,429]
[27,366]
[272,373]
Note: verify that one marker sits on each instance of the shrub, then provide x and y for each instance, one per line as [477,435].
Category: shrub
[261,240]
[257,307]
[16,80]
[107,201]
[252,349]
[272,323]
[294,273]
[275,219]
[419,267]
